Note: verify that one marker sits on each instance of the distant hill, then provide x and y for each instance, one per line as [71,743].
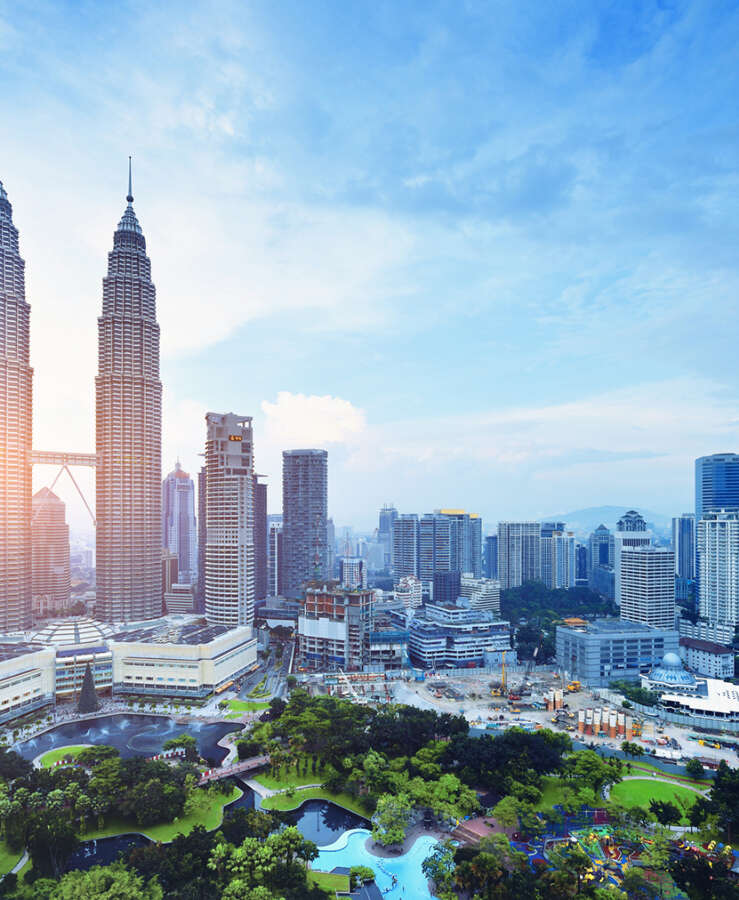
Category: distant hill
[585,521]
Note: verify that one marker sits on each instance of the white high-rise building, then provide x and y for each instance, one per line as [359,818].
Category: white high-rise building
[519,553]
[128,396]
[718,568]
[16,381]
[179,527]
[557,558]
[648,586]
[229,519]
[631,533]
[409,592]
[352,572]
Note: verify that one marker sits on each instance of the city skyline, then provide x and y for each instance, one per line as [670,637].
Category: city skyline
[258,210]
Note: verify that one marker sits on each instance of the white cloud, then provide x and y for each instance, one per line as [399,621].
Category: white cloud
[297,420]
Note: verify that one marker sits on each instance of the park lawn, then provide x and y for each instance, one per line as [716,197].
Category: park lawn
[53,756]
[329,881]
[8,858]
[553,792]
[637,764]
[287,777]
[242,706]
[210,818]
[639,792]
[283,803]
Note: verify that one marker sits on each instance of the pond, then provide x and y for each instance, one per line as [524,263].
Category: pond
[324,822]
[131,735]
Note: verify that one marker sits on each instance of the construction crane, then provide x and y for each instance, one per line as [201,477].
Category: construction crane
[342,675]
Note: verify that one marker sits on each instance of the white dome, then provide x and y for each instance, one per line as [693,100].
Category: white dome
[672,660]
[73,631]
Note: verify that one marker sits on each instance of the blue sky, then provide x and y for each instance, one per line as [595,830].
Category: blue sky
[485,253]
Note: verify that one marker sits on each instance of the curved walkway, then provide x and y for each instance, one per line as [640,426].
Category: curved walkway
[670,781]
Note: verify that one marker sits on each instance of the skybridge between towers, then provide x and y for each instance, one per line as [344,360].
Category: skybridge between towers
[66,461]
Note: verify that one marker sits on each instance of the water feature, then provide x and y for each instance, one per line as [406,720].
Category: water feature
[103,851]
[130,735]
[350,850]
[324,822]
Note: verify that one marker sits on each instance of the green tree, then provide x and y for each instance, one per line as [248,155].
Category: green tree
[665,812]
[439,867]
[694,768]
[114,882]
[391,819]
[185,741]
[506,812]
[571,861]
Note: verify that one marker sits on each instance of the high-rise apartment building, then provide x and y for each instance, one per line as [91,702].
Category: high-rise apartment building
[491,556]
[199,600]
[409,592]
[683,544]
[304,518]
[557,556]
[388,514]
[128,398]
[16,381]
[648,586]
[519,553]
[261,551]
[718,568]
[274,581]
[179,527]
[465,541]
[50,544]
[229,518]
[405,546]
[352,572]
[483,593]
[434,546]
[631,533]
[716,483]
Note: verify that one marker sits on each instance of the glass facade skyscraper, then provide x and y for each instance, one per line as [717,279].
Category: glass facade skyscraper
[304,518]
[716,483]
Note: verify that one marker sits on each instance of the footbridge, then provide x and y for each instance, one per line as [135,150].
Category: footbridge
[245,765]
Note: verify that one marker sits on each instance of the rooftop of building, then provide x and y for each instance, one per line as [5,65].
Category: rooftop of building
[706,646]
[75,630]
[671,672]
[612,626]
[14,650]
[171,630]
[716,696]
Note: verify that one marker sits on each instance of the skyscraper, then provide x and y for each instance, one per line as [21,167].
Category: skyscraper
[465,541]
[16,381]
[50,541]
[718,568]
[261,555]
[716,483]
[179,527]
[600,548]
[683,543]
[519,553]
[274,582]
[202,532]
[631,533]
[128,397]
[304,518]
[229,519]
[491,556]
[648,586]
[434,546]
[405,547]
[557,556]
[388,514]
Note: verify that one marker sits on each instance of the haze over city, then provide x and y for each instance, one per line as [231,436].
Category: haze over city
[517,304]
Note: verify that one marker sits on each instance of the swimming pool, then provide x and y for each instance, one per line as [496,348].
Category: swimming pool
[349,850]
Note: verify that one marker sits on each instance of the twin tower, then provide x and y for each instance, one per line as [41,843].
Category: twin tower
[128,399]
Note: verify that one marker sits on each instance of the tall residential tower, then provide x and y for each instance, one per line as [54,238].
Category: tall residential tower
[128,396]
[179,527]
[304,518]
[16,377]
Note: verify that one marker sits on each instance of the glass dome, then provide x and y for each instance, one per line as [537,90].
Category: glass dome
[671,672]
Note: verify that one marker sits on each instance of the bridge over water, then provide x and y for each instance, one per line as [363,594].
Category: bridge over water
[245,765]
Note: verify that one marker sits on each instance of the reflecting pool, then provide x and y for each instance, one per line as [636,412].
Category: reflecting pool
[324,822]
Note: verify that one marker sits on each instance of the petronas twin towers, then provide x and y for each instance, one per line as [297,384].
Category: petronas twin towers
[128,396]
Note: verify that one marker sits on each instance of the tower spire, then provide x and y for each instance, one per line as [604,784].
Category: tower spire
[129,198]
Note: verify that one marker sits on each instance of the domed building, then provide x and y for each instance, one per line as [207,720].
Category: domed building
[670,675]
[78,641]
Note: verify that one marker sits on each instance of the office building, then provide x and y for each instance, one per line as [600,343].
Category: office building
[434,546]
[352,572]
[274,585]
[707,658]
[602,580]
[601,548]
[179,527]
[718,568]
[202,540]
[170,568]
[51,576]
[261,553]
[179,600]
[465,541]
[557,556]
[405,547]
[490,560]
[128,398]
[388,514]
[716,484]
[482,593]
[648,586]
[16,378]
[519,553]
[581,565]
[334,627]
[631,533]
[454,635]
[229,519]
[304,518]
[446,587]
[409,592]
[683,544]
[606,650]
